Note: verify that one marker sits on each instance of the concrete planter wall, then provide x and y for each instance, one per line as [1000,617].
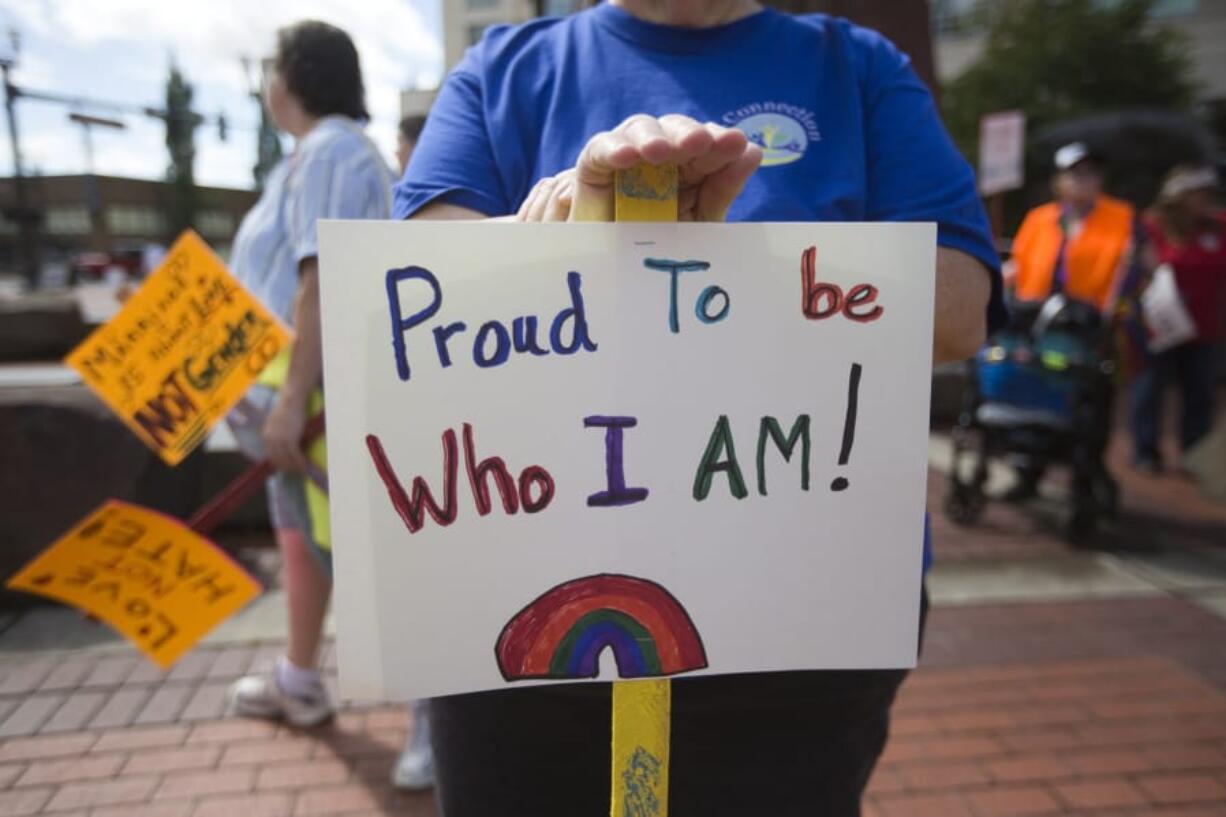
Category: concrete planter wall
[64,453]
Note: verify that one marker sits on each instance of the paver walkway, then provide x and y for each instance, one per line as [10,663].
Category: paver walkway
[1113,707]
[1108,701]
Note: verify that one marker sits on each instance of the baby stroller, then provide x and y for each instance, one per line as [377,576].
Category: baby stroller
[1040,394]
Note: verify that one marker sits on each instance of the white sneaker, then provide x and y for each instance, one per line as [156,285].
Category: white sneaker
[414,771]
[260,696]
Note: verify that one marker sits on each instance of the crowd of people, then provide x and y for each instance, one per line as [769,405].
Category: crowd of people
[770,117]
[1098,249]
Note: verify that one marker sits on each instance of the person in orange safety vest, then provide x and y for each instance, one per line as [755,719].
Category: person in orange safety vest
[1080,244]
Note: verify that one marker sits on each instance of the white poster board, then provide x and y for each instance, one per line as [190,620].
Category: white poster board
[1002,142]
[659,566]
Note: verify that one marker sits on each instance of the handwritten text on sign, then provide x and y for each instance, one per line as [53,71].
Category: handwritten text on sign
[567,451]
[145,574]
[181,352]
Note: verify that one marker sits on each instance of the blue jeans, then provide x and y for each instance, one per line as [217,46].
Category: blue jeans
[1190,366]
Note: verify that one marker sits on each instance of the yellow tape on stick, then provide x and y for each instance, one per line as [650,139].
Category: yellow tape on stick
[641,712]
[642,709]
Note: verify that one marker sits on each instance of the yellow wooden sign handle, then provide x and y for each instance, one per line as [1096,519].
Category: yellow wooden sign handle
[641,713]
[642,709]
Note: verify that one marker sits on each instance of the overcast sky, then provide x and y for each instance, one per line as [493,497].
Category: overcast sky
[120,50]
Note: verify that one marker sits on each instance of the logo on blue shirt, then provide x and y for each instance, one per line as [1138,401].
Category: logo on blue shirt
[782,131]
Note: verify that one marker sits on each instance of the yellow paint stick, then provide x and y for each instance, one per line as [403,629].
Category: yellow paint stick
[642,709]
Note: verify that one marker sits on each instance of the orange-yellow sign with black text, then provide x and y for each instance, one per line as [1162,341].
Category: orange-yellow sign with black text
[182,351]
[147,575]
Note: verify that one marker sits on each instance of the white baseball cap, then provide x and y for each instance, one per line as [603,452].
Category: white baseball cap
[1185,181]
[1072,153]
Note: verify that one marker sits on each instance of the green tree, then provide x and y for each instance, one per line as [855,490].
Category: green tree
[181,124]
[1056,59]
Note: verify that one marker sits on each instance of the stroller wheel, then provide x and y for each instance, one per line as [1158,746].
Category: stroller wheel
[1107,495]
[1081,526]
[964,503]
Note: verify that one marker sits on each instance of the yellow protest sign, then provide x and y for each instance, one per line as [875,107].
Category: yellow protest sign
[147,575]
[182,351]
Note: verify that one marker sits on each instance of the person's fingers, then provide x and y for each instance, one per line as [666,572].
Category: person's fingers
[647,136]
[726,136]
[526,207]
[602,156]
[534,207]
[687,201]
[699,149]
[688,137]
[726,146]
[558,207]
[721,188]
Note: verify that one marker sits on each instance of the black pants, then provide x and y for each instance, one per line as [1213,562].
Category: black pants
[1190,366]
[778,744]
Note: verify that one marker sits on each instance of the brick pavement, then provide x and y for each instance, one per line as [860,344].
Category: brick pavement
[1128,736]
[1157,512]
[1113,707]
[1094,708]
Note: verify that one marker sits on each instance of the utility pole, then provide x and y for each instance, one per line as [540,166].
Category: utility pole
[25,217]
[93,193]
[268,143]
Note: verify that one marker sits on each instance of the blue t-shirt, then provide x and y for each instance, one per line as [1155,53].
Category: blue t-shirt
[848,130]
[849,133]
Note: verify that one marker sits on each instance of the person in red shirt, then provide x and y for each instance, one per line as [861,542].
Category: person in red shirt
[1186,232]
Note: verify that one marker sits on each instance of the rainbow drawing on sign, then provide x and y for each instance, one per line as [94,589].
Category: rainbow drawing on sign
[562,633]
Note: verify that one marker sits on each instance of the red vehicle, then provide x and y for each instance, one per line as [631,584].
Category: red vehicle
[93,266]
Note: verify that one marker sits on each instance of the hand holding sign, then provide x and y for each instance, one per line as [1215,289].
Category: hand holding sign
[713,164]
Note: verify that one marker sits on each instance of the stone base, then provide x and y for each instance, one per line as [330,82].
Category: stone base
[64,453]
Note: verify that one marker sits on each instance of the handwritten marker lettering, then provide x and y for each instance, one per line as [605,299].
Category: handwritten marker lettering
[513,493]
[157,582]
[703,306]
[496,341]
[493,342]
[164,414]
[770,429]
[617,493]
[849,424]
[820,300]
[704,309]
[712,463]
[181,352]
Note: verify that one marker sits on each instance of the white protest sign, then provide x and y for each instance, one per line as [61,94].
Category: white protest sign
[1002,140]
[649,449]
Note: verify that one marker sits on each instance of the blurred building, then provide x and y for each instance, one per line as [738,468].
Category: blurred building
[465,20]
[107,214]
[417,102]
